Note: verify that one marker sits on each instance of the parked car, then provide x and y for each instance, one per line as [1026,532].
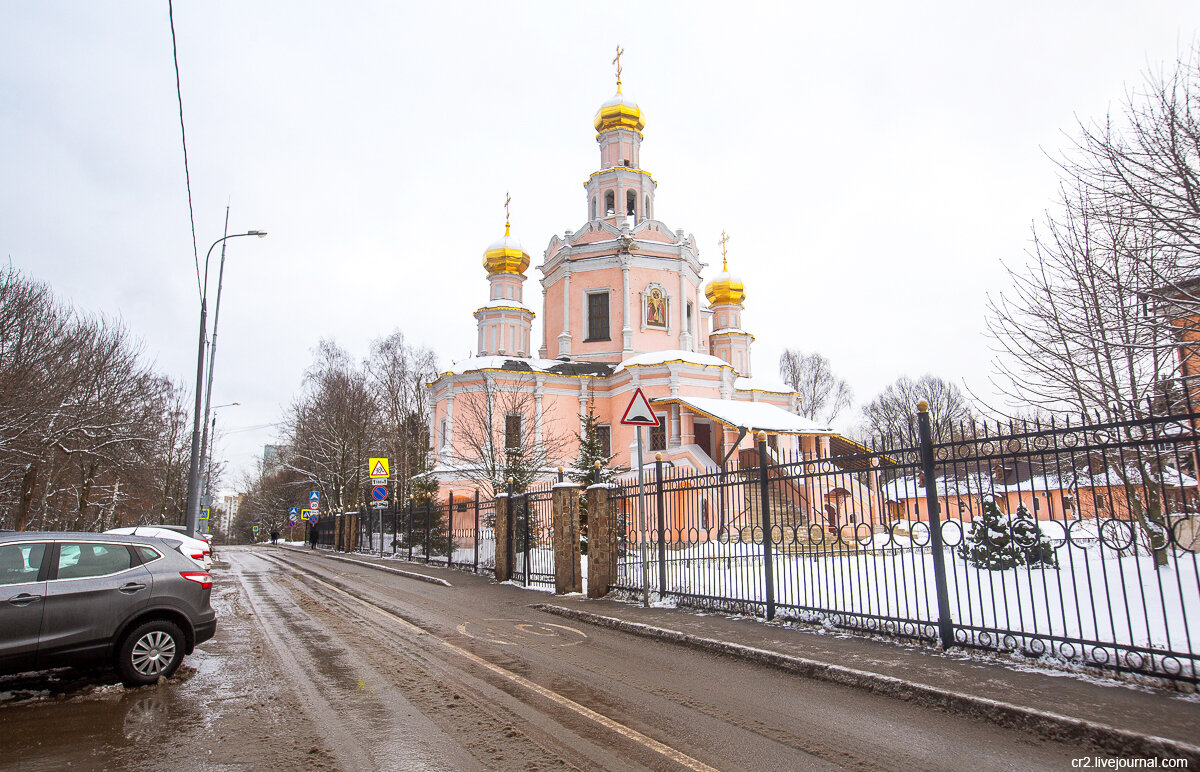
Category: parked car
[83,598]
[196,549]
[207,538]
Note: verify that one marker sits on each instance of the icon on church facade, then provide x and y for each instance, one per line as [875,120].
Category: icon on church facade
[656,308]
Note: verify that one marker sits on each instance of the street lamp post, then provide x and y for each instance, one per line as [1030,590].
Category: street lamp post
[206,496]
[193,496]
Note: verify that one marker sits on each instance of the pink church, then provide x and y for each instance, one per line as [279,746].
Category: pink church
[624,308]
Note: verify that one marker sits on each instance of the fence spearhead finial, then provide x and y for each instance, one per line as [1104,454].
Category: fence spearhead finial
[922,407]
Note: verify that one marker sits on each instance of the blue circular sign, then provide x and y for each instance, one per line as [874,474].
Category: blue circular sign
[379,492]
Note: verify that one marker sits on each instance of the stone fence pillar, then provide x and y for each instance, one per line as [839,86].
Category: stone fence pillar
[602,541]
[503,556]
[568,576]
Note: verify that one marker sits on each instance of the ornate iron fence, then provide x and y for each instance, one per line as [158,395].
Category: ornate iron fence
[1072,542]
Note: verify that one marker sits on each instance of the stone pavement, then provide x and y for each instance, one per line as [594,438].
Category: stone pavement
[1117,717]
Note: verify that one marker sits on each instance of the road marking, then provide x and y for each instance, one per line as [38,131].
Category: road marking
[523,627]
[632,734]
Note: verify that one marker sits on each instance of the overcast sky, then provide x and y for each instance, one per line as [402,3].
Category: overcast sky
[873,163]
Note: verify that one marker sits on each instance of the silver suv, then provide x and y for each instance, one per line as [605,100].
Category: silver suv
[82,598]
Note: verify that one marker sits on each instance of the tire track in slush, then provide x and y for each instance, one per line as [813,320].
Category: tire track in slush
[630,734]
[337,697]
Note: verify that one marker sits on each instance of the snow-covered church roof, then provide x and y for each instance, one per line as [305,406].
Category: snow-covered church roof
[753,416]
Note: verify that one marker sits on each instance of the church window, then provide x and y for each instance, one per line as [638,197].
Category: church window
[597,312]
[512,431]
[445,432]
[625,163]
[631,204]
[604,436]
[689,316]
[658,434]
[610,203]
[593,207]
[646,209]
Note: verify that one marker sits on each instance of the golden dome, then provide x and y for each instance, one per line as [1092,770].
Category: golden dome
[725,288]
[620,112]
[505,256]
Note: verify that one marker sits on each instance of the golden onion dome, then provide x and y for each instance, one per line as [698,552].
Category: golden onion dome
[620,112]
[725,288]
[505,256]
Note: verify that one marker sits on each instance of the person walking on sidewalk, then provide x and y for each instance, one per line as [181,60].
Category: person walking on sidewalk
[274,537]
[312,536]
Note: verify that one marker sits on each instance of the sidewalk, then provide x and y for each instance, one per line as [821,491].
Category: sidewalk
[1121,718]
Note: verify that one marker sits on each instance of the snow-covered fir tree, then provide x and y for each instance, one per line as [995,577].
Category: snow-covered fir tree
[997,541]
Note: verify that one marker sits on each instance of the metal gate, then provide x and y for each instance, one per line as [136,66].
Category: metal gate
[530,534]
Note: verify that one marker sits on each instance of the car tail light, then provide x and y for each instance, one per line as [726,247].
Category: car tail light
[201,578]
[197,556]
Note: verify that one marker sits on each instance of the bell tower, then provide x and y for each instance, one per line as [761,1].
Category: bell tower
[505,322]
[620,189]
[726,293]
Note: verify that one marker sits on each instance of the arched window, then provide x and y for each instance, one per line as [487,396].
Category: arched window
[593,207]
[610,204]
[631,204]
[646,209]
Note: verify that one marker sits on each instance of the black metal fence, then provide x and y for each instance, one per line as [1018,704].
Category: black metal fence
[458,533]
[1072,542]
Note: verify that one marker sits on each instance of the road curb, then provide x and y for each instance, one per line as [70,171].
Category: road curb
[1050,726]
[389,569]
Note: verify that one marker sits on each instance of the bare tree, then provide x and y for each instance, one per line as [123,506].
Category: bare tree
[892,415]
[823,395]
[397,376]
[496,435]
[331,428]
[1083,329]
[81,414]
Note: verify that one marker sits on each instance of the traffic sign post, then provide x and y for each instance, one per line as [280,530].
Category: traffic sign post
[638,414]
[379,494]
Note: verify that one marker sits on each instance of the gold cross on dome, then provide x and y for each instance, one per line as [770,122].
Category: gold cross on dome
[617,61]
[507,201]
[724,242]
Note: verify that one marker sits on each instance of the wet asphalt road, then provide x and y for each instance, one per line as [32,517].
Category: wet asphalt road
[427,677]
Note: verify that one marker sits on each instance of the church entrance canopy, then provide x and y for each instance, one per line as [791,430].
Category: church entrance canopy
[750,416]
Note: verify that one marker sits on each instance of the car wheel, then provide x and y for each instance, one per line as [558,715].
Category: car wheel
[150,651]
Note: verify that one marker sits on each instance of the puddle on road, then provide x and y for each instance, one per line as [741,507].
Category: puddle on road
[103,719]
[224,708]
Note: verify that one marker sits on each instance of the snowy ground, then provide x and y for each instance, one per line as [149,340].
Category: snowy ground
[1094,597]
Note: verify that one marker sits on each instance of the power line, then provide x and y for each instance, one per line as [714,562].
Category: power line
[183,136]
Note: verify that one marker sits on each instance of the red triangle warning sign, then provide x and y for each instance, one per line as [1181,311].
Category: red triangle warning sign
[639,413]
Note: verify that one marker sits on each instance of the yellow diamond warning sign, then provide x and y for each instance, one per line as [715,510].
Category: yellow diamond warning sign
[378,468]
